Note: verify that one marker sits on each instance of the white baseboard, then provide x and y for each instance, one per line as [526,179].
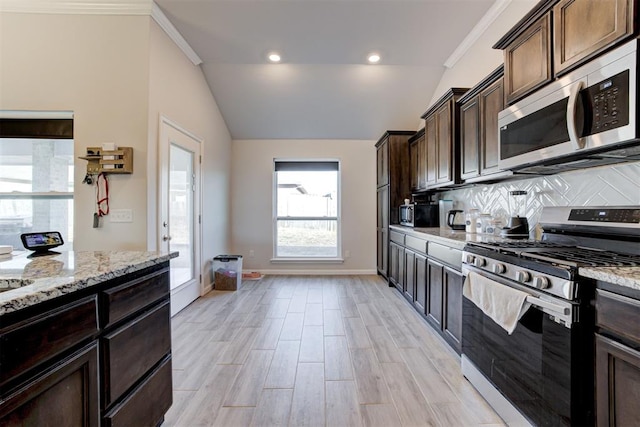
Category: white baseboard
[307,272]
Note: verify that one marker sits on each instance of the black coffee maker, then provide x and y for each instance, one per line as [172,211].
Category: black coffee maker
[518,225]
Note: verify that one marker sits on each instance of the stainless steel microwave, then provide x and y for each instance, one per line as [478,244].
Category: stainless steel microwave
[586,118]
[419,215]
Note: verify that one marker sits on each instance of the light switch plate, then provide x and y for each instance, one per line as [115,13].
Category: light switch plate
[121,215]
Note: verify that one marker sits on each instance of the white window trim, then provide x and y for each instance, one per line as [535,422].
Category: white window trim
[274,217]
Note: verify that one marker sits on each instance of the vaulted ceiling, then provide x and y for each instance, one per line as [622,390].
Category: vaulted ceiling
[323,88]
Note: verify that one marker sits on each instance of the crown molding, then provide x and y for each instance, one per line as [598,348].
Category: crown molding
[105,7]
[485,22]
[161,19]
[88,7]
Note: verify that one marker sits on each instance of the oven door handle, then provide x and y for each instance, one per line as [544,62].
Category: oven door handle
[549,305]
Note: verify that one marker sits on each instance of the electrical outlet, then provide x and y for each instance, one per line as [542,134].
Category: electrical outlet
[121,215]
[251,253]
[347,254]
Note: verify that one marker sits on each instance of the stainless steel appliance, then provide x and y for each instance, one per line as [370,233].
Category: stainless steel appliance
[518,225]
[419,215]
[586,118]
[545,368]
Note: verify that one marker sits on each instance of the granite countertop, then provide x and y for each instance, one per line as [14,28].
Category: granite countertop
[628,277]
[622,276]
[446,236]
[27,281]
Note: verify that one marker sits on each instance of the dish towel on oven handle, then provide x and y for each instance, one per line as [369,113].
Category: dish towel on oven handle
[503,304]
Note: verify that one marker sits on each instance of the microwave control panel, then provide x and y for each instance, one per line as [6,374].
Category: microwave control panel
[608,102]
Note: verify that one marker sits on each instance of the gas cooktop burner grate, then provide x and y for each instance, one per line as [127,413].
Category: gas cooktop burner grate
[557,253]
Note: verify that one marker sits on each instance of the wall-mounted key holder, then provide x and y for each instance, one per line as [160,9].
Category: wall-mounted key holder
[109,161]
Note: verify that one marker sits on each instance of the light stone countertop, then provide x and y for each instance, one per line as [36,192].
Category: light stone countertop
[446,236]
[27,281]
[623,276]
[628,277]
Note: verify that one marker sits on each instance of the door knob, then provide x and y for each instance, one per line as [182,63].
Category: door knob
[165,238]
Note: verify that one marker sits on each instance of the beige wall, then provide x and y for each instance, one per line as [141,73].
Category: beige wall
[179,92]
[96,66]
[252,192]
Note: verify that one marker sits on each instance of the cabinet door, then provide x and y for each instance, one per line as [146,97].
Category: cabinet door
[585,27]
[445,144]
[421,283]
[413,161]
[491,103]
[452,319]
[394,264]
[401,270]
[617,383]
[422,163]
[383,229]
[527,60]
[470,138]
[431,149]
[382,167]
[434,293]
[65,395]
[409,274]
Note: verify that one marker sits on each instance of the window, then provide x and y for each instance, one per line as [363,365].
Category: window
[307,209]
[36,178]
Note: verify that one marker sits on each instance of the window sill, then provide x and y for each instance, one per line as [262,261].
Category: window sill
[307,260]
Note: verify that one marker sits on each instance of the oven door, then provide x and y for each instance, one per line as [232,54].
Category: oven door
[542,368]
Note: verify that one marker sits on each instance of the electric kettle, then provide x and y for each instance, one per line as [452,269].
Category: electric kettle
[455,219]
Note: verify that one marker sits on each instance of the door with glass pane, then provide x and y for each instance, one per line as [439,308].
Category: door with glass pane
[180,212]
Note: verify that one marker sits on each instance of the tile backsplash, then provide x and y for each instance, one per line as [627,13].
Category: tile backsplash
[602,186]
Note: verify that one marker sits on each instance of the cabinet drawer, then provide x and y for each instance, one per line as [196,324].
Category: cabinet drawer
[130,297]
[396,237]
[618,314]
[133,349]
[147,404]
[450,256]
[40,338]
[416,244]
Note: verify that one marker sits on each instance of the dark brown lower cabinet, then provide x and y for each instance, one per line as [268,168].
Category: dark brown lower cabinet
[394,265]
[421,283]
[617,356]
[434,293]
[409,274]
[452,319]
[66,395]
[98,357]
[617,383]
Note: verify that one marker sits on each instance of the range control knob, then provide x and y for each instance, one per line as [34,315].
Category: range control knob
[541,282]
[523,276]
[469,258]
[498,268]
[479,262]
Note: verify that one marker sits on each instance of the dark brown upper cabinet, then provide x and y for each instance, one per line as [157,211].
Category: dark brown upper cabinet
[527,60]
[418,159]
[479,109]
[583,28]
[557,36]
[442,140]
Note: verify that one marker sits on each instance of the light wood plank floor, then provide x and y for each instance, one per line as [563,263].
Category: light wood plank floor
[315,351]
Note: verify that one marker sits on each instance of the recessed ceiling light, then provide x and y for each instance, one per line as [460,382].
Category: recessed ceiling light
[274,57]
[373,58]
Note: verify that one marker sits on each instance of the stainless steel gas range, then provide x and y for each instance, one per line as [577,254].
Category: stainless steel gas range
[542,373]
